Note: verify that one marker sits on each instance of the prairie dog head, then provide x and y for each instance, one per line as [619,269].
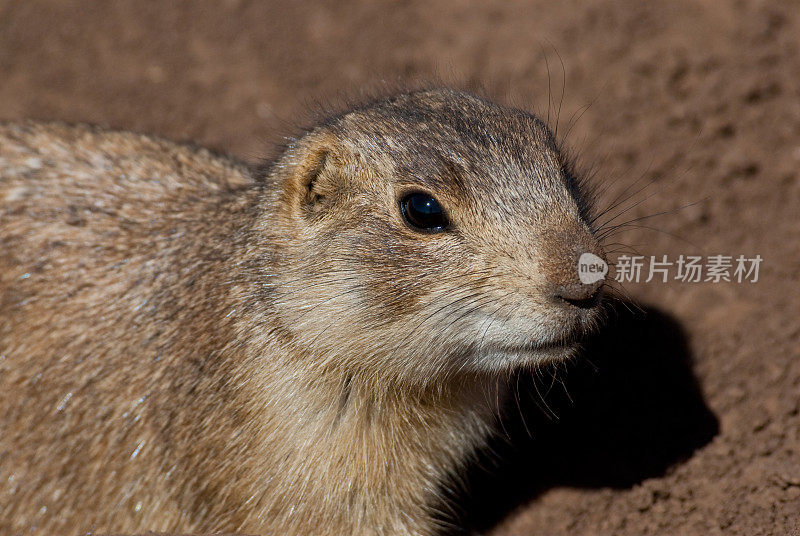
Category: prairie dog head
[429,234]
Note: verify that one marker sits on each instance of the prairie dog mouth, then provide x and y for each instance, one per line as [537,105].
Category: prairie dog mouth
[565,344]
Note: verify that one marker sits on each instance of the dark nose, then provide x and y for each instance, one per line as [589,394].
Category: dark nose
[579,294]
[575,266]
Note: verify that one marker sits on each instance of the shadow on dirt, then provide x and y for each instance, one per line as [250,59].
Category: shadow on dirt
[634,409]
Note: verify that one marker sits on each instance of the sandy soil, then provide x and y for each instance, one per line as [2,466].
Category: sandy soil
[683,420]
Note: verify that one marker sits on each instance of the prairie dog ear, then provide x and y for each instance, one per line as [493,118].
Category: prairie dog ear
[318,179]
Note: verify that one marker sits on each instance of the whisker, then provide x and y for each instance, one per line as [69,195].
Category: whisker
[648,216]
[630,207]
[622,197]
[519,406]
[656,229]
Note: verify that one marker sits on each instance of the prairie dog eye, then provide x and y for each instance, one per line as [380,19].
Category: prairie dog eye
[423,213]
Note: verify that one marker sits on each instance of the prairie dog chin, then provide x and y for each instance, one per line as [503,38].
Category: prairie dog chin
[190,345]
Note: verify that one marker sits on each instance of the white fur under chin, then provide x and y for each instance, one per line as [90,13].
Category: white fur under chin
[507,360]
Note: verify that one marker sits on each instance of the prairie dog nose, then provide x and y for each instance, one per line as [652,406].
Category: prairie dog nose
[578,268]
[583,295]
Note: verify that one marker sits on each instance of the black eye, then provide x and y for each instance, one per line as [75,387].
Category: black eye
[423,212]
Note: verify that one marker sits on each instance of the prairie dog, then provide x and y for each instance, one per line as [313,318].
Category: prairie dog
[314,347]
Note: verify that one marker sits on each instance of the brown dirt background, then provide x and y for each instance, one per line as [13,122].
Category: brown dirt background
[687,421]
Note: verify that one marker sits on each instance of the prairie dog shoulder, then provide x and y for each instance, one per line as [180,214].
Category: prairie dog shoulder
[110,244]
[89,214]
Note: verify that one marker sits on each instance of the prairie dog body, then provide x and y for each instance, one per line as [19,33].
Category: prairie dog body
[314,348]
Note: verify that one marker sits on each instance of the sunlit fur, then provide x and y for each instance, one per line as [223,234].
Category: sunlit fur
[190,345]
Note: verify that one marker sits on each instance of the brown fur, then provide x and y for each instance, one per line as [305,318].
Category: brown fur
[186,345]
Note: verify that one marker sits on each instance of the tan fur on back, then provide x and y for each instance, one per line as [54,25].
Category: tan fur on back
[188,345]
